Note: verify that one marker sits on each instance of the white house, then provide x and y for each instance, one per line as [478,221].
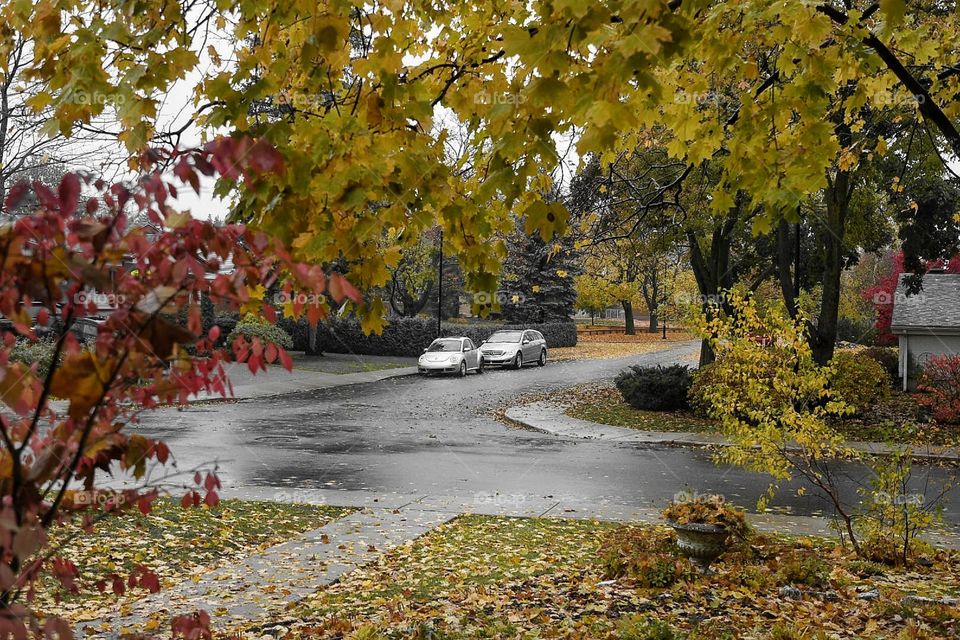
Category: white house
[927,323]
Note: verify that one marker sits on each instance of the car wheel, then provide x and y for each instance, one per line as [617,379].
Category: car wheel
[543,358]
[463,368]
[518,361]
[480,365]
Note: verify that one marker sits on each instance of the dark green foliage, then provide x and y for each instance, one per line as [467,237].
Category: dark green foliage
[410,336]
[856,331]
[888,357]
[227,325]
[655,388]
[537,282]
[208,313]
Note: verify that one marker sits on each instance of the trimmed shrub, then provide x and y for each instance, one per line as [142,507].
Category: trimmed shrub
[409,336]
[253,327]
[655,388]
[39,353]
[859,380]
[888,357]
[940,388]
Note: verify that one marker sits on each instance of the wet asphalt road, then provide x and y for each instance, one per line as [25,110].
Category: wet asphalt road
[436,436]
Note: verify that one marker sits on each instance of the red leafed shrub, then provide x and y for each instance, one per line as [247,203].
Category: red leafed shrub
[939,388]
[133,292]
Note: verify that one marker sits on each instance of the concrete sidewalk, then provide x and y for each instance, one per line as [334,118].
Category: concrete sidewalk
[277,381]
[550,418]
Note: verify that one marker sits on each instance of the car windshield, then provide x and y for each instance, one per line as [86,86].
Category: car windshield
[506,336]
[444,345]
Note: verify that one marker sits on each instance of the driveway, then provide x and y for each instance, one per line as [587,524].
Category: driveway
[414,436]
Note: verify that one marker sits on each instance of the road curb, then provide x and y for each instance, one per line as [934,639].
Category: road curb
[547,417]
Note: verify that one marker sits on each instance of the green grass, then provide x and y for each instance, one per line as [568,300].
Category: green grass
[604,405]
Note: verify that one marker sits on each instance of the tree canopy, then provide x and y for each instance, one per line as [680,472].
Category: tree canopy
[764,81]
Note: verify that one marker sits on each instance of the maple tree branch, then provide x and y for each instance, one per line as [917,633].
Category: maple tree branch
[928,108]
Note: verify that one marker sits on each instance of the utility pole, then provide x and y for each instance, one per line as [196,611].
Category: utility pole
[440,285]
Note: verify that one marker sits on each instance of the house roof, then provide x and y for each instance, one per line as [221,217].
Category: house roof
[936,307]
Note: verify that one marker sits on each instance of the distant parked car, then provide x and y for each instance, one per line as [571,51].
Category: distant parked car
[451,355]
[514,347]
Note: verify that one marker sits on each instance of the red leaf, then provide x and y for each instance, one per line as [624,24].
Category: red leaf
[92,205]
[197,478]
[186,500]
[69,193]
[47,199]
[149,580]
[214,333]
[285,359]
[264,158]
[212,499]
[15,195]
[163,452]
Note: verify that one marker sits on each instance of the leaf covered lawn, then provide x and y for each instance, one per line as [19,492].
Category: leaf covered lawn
[175,543]
[492,577]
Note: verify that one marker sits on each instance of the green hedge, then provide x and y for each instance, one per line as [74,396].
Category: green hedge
[410,336]
[252,327]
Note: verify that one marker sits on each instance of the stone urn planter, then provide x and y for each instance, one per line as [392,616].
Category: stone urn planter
[701,543]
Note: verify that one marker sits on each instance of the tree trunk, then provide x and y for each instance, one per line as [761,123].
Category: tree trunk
[824,338]
[312,333]
[630,328]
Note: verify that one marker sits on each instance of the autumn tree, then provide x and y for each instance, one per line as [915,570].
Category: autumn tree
[51,258]
[594,294]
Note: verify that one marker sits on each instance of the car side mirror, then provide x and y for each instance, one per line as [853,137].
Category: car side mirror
[526,342]
[465,349]
[425,349]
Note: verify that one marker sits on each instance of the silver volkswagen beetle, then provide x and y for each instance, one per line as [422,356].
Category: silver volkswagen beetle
[514,347]
[450,355]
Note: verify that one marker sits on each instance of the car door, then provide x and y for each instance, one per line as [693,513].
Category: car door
[530,352]
[470,353]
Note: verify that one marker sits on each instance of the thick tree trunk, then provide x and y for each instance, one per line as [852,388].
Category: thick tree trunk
[630,328]
[824,337]
[654,324]
[712,273]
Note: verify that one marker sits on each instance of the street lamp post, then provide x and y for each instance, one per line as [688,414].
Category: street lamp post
[440,285]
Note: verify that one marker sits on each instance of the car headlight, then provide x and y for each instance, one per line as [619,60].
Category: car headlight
[454,357]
